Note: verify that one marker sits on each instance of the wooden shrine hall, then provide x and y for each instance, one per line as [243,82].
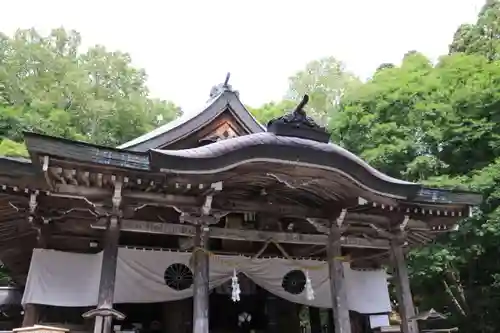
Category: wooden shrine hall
[214,223]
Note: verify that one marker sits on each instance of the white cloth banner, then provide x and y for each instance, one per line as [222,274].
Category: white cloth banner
[71,279]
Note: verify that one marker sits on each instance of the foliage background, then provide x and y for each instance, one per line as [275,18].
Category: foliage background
[437,123]
[47,85]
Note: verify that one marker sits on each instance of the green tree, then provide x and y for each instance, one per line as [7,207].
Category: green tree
[325,81]
[48,86]
[438,124]
[271,110]
[483,37]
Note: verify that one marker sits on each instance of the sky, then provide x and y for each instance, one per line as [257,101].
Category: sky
[187,46]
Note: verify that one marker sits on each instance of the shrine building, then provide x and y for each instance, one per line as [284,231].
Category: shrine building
[215,223]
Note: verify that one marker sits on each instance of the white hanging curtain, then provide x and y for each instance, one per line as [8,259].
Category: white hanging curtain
[70,279]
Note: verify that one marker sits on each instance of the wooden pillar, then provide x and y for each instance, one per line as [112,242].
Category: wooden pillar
[108,269]
[315,320]
[108,275]
[200,283]
[403,291]
[340,310]
[104,313]
[31,314]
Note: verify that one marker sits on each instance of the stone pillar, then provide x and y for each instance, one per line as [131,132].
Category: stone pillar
[403,291]
[201,280]
[340,310]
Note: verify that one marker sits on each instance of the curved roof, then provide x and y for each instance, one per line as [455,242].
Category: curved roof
[225,99]
[233,155]
[268,147]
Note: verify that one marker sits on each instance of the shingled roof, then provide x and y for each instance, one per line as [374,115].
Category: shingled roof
[222,99]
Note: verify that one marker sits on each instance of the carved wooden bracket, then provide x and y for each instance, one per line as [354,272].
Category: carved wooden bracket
[340,220]
[403,224]
[117,197]
[323,225]
[399,236]
[205,215]
[319,225]
[33,206]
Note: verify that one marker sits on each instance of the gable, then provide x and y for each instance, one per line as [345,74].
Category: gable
[224,126]
[224,112]
[224,131]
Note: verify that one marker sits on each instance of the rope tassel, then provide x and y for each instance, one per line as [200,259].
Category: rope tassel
[235,295]
[309,288]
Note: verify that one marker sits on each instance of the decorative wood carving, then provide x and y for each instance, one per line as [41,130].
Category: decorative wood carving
[219,204]
[298,124]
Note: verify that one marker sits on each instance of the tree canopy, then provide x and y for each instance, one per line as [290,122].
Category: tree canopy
[47,85]
[483,36]
[438,124]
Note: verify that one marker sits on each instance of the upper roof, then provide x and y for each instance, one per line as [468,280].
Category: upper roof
[293,145]
[222,99]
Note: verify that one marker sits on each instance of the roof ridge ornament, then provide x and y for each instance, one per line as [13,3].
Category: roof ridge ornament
[298,124]
[226,81]
[223,87]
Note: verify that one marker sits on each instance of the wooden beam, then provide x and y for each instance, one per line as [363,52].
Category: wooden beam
[185,230]
[142,197]
[342,322]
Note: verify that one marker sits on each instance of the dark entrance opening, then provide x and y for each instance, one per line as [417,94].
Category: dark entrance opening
[226,315]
